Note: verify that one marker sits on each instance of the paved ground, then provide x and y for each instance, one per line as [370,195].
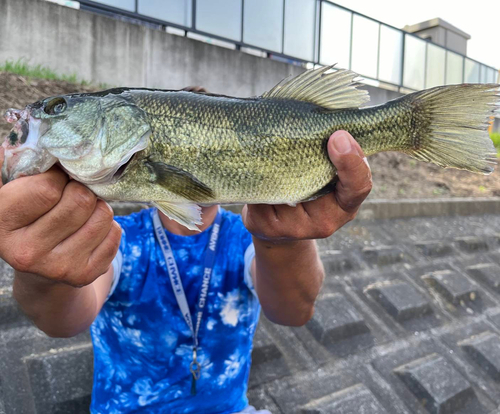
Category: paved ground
[408,322]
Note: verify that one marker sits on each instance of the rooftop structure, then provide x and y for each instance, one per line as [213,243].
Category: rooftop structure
[442,33]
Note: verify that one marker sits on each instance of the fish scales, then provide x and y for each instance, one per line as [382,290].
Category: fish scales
[264,150]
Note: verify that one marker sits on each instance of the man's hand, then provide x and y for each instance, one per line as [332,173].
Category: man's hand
[196,89]
[58,237]
[287,271]
[319,218]
[56,228]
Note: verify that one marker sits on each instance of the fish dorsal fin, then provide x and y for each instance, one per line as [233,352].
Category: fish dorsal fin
[334,90]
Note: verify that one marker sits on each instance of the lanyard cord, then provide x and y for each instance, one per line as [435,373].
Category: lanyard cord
[175,280]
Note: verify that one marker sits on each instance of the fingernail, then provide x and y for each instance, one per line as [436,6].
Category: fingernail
[365,160]
[342,143]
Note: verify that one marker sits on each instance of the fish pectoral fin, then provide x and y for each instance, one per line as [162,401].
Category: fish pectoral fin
[189,215]
[334,90]
[180,182]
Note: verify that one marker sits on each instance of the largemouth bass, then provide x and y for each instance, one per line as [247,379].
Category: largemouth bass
[178,150]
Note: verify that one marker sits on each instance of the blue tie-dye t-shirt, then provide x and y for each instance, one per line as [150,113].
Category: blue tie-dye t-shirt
[142,344]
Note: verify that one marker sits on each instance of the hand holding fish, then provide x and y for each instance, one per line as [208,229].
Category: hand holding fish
[56,228]
[287,271]
[319,218]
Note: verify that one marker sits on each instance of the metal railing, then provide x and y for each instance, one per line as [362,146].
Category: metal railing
[311,31]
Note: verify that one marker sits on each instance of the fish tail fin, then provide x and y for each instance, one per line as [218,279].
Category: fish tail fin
[450,123]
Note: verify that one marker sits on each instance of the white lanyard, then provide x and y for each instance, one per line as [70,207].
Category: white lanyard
[175,280]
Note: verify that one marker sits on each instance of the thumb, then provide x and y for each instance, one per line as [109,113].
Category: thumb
[354,175]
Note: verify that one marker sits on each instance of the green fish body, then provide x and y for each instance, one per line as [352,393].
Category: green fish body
[178,149]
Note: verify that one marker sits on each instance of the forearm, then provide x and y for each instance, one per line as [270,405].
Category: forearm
[57,309]
[288,278]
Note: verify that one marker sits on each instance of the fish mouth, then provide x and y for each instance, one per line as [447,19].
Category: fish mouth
[22,156]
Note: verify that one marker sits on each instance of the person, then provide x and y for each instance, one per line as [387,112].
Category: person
[78,267]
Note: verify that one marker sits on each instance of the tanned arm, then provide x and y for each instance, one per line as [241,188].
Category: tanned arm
[60,240]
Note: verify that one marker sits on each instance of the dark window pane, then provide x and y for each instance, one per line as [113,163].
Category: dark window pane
[436,57]
[335,36]
[365,46]
[414,65]
[263,24]
[119,4]
[219,17]
[482,74]
[471,71]
[299,28]
[391,53]
[173,11]
[492,76]
[454,68]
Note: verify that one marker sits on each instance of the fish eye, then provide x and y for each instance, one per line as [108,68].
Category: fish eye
[55,106]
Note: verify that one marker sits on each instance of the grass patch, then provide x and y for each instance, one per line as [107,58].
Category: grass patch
[495,137]
[23,68]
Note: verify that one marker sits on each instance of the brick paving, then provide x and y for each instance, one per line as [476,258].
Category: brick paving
[408,321]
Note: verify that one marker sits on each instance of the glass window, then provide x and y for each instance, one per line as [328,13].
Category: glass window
[491,78]
[436,57]
[263,24]
[414,63]
[454,68]
[335,36]
[120,4]
[219,17]
[390,55]
[493,75]
[471,71]
[173,11]
[365,46]
[300,17]
[482,74]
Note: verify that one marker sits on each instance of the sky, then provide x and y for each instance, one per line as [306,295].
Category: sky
[479,18]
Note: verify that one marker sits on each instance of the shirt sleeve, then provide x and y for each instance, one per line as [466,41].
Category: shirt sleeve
[117,270]
[249,256]
[117,262]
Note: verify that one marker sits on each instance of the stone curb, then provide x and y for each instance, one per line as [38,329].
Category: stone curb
[390,209]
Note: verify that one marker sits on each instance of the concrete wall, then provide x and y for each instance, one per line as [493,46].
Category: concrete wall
[118,53]
[103,49]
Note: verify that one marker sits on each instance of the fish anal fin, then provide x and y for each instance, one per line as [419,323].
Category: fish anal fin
[180,182]
[332,90]
[189,215]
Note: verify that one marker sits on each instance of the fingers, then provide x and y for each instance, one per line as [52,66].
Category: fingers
[73,210]
[28,198]
[197,89]
[257,217]
[92,233]
[326,215]
[104,254]
[74,260]
[354,175]
[278,222]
